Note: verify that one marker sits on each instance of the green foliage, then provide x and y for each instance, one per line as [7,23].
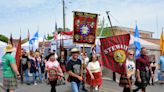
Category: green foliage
[106,32]
[3,38]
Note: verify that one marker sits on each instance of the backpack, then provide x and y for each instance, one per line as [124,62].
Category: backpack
[53,74]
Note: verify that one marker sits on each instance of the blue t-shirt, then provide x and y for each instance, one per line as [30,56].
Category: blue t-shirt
[161,62]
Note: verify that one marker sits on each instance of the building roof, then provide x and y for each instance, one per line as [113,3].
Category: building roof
[130,29]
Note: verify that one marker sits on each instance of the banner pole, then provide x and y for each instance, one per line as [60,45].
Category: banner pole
[82,67]
[130,85]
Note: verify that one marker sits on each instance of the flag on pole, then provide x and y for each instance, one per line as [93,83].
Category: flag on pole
[28,35]
[162,43]
[18,54]
[137,42]
[34,41]
[114,50]
[34,38]
[56,27]
[11,39]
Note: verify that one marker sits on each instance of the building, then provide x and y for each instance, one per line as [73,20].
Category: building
[123,30]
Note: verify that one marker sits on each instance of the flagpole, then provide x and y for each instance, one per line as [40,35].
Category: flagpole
[107,12]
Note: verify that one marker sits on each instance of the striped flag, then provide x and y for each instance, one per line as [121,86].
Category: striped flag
[137,42]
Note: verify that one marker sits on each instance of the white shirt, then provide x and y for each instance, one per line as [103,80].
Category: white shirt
[94,66]
[86,60]
[130,66]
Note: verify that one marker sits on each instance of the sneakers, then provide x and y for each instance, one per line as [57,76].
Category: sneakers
[96,88]
[85,90]
[35,83]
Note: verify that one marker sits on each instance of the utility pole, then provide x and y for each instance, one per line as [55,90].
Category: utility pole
[63,15]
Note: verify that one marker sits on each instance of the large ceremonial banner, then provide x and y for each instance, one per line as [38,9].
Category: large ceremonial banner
[85,25]
[114,50]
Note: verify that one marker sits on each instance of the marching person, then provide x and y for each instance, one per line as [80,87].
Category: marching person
[10,70]
[73,68]
[85,63]
[54,71]
[161,67]
[24,66]
[62,61]
[38,65]
[153,67]
[130,71]
[142,66]
[94,74]
[33,68]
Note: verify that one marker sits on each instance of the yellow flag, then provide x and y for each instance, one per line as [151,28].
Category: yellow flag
[162,43]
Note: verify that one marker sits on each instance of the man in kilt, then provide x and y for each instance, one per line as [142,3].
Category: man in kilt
[10,70]
[142,66]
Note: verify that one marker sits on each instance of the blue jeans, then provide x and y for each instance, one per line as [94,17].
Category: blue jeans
[26,75]
[75,87]
[34,76]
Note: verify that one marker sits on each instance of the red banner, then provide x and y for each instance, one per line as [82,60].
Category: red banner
[18,55]
[114,50]
[85,25]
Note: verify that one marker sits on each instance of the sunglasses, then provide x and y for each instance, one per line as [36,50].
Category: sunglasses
[131,54]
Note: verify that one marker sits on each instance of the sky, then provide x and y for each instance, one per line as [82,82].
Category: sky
[16,15]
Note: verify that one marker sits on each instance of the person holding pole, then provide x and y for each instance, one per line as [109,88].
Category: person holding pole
[126,79]
[73,68]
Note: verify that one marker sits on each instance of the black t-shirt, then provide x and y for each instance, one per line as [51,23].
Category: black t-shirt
[24,62]
[75,67]
[62,60]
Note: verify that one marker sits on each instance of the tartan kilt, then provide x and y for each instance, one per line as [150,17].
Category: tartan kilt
[144,80]
[10,83]
[97,81]
[123,81]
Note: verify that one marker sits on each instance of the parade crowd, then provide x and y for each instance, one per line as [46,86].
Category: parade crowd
[78,70]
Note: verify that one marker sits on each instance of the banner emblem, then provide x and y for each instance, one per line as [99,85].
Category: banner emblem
[119,56]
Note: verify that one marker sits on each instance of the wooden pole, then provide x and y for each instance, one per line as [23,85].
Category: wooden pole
[82,67]
[107,12]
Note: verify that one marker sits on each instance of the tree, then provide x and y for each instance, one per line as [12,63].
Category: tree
[3,38]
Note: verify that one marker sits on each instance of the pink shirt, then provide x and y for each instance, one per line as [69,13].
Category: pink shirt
[50,64]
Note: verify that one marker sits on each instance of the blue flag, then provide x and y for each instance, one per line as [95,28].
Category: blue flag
[34,38]
[137,42]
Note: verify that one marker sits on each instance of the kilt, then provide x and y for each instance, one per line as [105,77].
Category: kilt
[10,83]
[97,81]
[124,81]
[144,80]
